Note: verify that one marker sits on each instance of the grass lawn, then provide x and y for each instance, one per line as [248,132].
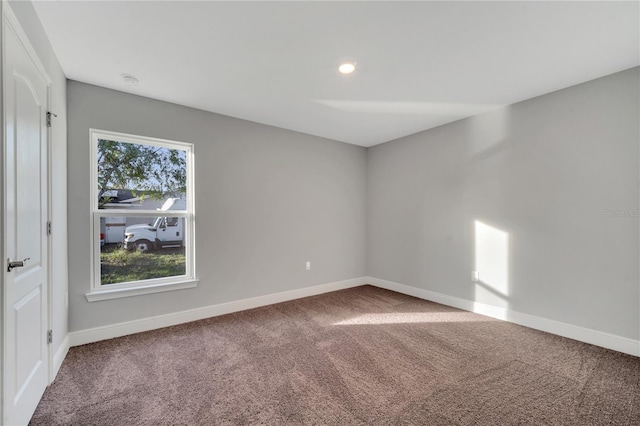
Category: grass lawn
[118,265]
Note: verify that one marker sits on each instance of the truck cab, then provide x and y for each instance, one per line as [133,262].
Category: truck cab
[165,231]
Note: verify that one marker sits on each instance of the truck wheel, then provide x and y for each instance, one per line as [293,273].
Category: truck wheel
[143,246]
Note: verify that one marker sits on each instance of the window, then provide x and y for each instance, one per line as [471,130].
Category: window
[142,215]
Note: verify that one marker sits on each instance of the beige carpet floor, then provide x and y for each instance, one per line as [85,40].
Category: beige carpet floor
[354,357]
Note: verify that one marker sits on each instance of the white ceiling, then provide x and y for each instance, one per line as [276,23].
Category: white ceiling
[419,64]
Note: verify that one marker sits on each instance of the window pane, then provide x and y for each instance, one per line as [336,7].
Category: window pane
[136,175]
[139,176]
[141,248]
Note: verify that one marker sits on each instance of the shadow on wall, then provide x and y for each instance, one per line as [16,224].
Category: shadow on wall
[487,133]
[488,143]
[491,278]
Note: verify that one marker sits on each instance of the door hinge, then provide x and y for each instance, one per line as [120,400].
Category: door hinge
[49,114]
[49,228]
[50,336]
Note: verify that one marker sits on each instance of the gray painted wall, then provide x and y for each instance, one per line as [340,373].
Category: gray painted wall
[267,200]
[548,176]
[30,23]
[545,171]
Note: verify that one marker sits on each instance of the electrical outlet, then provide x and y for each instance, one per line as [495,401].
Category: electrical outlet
[475,277]
[308,265]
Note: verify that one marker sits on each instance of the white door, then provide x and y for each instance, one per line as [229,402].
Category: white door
[25,314]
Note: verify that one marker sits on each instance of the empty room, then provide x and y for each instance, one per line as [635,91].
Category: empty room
[320,213]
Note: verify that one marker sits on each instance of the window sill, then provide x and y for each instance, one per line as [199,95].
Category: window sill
[98,295]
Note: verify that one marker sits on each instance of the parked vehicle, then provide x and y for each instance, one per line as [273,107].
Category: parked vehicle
[165,231]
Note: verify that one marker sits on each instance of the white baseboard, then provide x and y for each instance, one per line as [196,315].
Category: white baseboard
[59,356]
[130,327]
[594,337]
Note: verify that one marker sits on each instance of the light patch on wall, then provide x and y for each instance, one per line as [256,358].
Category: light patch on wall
[492,265]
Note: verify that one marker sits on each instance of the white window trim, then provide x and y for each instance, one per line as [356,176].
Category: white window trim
[135,288]
[118,293]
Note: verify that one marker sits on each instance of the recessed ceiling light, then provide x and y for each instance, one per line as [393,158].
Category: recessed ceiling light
[130,80]
[347,68]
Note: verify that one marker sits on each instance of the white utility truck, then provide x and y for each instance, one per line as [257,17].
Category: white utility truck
[164,232]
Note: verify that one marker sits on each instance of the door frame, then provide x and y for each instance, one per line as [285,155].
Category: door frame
[7,16]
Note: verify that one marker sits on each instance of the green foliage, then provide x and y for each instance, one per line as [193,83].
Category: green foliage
[145,169]
[118,265]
